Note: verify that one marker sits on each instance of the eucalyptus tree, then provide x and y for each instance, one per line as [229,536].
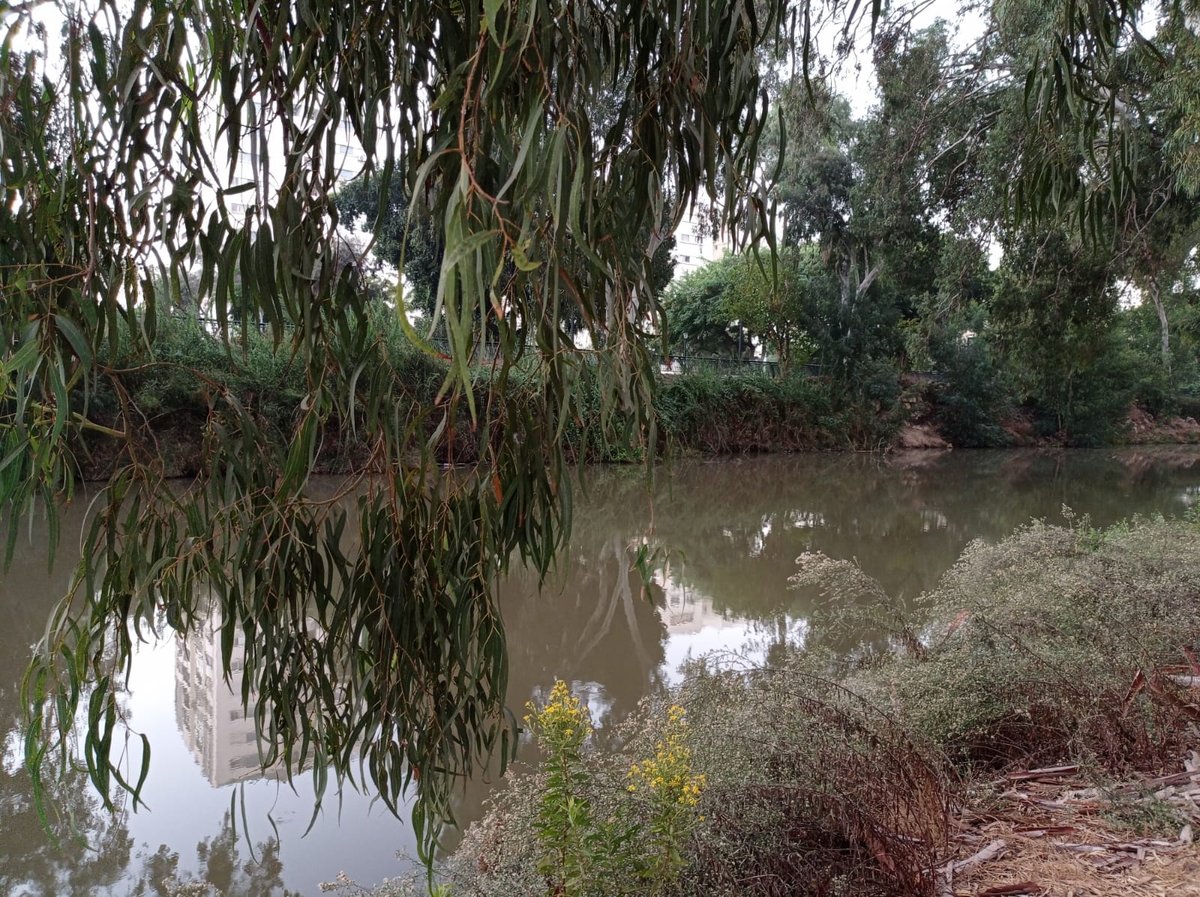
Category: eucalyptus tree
[1114,115]
[877,194]
[1157,225]
[384,662]
[1051,313]
[405,235]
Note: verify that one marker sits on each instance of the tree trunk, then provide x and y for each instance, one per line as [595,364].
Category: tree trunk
[1156,295]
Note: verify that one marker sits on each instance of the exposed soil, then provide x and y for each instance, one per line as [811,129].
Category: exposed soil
[1020,430]
[920,436]
[1143,428]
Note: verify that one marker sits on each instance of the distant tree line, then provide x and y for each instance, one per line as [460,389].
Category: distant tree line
[904,244]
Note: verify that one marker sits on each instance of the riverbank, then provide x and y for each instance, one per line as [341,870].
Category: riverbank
[701,413]
[1029,726]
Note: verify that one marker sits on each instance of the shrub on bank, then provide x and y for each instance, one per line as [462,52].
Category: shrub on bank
[835,773]
[970,397]
[699,411]
[721,414]
[1052,645]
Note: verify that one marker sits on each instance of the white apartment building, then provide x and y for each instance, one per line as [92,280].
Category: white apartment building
[694,248]
[348,162]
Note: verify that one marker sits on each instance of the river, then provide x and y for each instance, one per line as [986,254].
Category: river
[724,535]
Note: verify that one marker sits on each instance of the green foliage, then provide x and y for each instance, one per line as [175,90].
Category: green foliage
[668,784]
[580,826]
[1051,314]
[1179,88]
[404,234]
[637,849]
[540,198]
[720,308]
[971,391]
[969,395]
[832,772]
[696,314]
[1144,816]
[907,202]
[1032,644]
[551,148]
[575,849]
[787,772]
[723,414]
[776,301]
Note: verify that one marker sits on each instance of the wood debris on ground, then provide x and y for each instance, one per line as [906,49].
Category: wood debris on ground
[1050,834]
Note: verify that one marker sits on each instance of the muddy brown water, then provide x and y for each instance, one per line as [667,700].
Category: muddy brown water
[727,533]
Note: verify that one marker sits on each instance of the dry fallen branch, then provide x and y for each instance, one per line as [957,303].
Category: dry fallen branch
[1049,772]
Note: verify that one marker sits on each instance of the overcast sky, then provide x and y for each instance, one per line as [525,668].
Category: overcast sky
[855,78]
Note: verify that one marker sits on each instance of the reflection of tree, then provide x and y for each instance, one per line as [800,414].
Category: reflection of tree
[223,871]
[90,847]
[93,846]
[732,530]
[741,524]
[591,624]
[593,610]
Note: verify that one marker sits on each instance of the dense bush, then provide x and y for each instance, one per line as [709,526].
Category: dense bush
[176,387]
[699,411]
[745,413]
[1090,406]
[713,413]
[1034,648]
[970,396]
[836,773]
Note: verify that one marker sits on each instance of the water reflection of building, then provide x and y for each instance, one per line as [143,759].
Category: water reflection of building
[209,711]
[684,609]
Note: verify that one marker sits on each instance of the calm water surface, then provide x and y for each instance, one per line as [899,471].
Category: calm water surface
[730,530]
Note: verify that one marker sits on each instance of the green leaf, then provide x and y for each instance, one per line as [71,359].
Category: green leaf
[68,329]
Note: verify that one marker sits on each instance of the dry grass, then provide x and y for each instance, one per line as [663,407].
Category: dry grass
[1044,868]
[1057,835]
[824,794]
[1055,644]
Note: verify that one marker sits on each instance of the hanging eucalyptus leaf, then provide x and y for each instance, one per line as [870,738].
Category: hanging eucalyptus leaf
[373,647]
